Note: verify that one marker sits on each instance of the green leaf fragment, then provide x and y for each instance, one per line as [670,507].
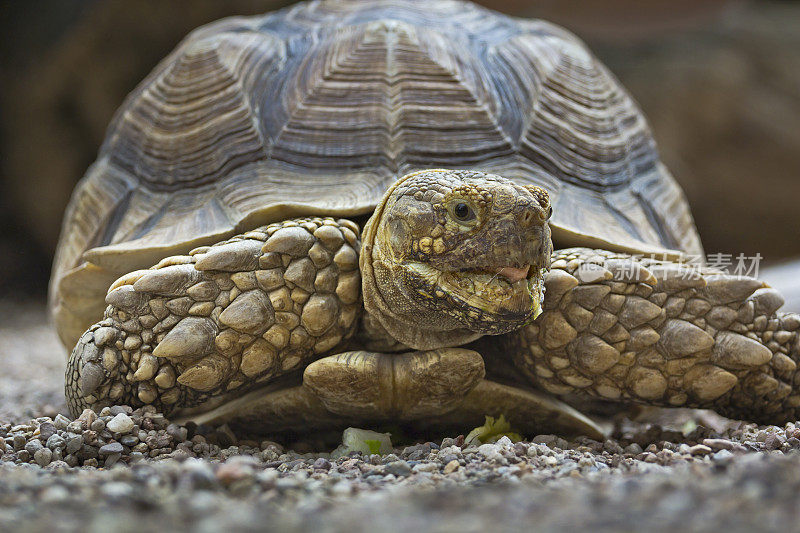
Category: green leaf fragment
[492,431]
[364,441]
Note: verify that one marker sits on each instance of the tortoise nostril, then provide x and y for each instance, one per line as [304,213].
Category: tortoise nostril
[528,218]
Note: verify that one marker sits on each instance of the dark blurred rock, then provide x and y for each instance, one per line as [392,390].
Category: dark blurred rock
[61,87]
[724,102]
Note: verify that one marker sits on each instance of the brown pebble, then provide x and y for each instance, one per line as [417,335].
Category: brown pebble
[699,449]
[451,467]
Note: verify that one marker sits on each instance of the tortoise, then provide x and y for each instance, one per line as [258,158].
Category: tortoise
[344,212]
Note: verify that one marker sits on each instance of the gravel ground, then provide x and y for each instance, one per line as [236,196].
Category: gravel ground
[133,470]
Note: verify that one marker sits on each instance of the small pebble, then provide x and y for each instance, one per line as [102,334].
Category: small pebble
[699,449]
[43,456]
[398,468]
[451,467]
[121,423]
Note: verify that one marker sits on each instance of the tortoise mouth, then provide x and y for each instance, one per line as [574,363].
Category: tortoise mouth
[511,294]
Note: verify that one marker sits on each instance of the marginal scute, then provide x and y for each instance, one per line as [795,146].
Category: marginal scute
[734,351]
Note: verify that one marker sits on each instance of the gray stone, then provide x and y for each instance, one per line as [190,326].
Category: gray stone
[43,456]
[111,448]
[46,430]
[74,444]
[398,468]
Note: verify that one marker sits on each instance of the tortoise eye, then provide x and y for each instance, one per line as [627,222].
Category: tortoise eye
[463,212]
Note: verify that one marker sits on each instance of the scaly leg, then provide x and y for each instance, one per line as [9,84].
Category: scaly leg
[222,318]
[623,328]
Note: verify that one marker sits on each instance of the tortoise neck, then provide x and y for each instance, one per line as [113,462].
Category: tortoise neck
[402,319]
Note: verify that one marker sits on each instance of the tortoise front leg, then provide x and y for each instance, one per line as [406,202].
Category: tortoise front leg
[222,318]
[623,328]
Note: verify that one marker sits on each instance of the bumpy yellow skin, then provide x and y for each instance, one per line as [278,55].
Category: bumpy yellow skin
[624,328]
[224,317]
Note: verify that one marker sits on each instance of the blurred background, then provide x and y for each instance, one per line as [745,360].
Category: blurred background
[719,81]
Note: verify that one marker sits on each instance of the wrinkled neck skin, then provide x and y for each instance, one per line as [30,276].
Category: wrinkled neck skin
[404,318]
[431,281]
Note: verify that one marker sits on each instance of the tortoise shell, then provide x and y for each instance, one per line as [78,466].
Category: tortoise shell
[318,108]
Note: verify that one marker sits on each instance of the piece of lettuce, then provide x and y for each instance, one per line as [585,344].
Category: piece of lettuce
[364,441]
[492,431]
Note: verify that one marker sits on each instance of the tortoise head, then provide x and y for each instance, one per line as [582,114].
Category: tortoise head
[451,255]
